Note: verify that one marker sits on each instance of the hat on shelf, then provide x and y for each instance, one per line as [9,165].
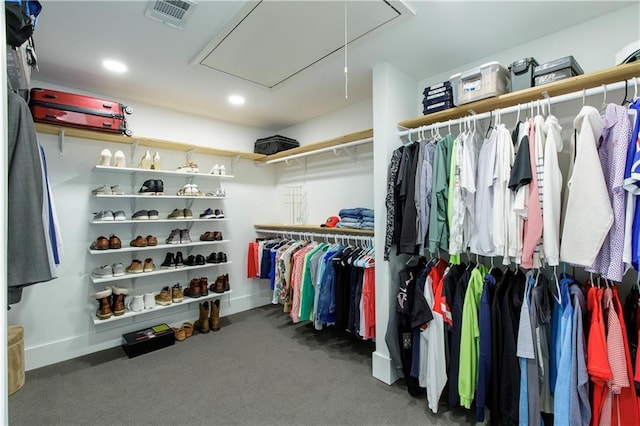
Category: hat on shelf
[331,222]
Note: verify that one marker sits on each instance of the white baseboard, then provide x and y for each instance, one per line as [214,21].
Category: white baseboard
[110,334]
[382,368]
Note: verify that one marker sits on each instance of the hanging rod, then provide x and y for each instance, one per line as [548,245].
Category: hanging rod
[318,151]
[316,234]
[553,100]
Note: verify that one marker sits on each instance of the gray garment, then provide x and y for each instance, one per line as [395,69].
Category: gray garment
[27,255]
[390,200]
[580,407]
[391,336]
[416,189]
[424,199]
[407,242]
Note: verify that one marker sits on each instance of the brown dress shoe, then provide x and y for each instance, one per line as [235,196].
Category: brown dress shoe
[102,243]
[114,242]
[138,242]
[152,240]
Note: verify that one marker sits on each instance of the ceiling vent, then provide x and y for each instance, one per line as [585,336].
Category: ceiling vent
[171,12]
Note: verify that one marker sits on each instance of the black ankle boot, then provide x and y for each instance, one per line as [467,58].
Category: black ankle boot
[179,260]
[169,262]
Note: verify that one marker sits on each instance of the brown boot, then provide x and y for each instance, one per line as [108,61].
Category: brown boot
[227,286]
[214,319]
[117,300]
[104,310]
[202,323]
[204,286]
[194,289]
[218,286]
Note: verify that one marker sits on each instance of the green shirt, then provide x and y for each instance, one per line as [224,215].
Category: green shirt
[438,222]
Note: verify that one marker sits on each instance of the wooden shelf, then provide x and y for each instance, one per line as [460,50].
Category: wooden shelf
[128,276]
[562,87]
[314,228]
[52,129]
[351,137]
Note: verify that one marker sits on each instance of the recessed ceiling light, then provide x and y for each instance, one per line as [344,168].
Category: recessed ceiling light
[236,100]
[114,66]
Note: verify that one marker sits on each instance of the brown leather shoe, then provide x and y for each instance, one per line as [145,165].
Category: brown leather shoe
[152,240]
[217,236]
[188,328]
[138,242]
[117,299]
[227,286]
[214,318]
[194,289]
[202,323]
[102,243]
[207,236]
[179,333]
[204,286]
[218,286]
[114,242]
[104,309]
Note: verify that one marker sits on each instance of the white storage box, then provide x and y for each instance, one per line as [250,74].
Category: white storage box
[490,79]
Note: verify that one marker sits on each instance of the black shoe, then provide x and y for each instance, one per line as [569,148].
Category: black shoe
[159,187]
[191,261]
[222,258]
[179,260]
[199,259]
[148,187]
[212,258]
[169,262]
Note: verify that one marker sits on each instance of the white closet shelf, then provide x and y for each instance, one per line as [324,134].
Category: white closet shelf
[133,170]
[160,197]
[312,228]
[557,88]
[129,276]
[142,141]
[158,247]
[129,221]
[185,302]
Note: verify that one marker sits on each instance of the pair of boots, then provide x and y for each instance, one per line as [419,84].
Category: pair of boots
[197,287]
[209,318]
[110,302]
[221,284]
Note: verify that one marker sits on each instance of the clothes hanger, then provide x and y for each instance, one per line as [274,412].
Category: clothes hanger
[626,93]
[604,96]
[558,298]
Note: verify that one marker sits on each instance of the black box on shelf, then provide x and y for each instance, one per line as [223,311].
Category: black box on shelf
[558,69]
[147,340]
[274,144]
[522,73]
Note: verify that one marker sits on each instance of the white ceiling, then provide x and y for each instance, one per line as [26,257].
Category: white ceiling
[73,37]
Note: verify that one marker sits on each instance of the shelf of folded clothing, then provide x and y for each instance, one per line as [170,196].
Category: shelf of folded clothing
[136,221]
[157,308]
[162,197]
[158,247]
[53,129]
[313,228]
[132,170]
[128,276]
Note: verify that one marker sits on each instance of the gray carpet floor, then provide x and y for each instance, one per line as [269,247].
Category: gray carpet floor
[258,369]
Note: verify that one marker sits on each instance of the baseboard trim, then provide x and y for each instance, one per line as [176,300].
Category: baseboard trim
[382,368]
[106,338]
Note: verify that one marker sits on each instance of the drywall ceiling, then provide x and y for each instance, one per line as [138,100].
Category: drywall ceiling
[73,37]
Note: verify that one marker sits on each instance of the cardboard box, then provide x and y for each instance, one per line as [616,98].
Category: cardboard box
[147,340]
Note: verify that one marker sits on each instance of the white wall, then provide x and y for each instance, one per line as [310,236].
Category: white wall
[57,315]
[593,44]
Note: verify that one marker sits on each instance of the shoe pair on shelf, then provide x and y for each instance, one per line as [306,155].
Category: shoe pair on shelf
[212,214]
[108,271]
[211,236]
[118,159]
[219,257]
[195,260]
[197,287]
[148,162]
[219,192]
[152,187]
[141,241]
[145,215]
[218,170]
[108,190]
[221,285]
[108,215]
[190,190]
[173,262]
[104,243]
[110,301]
[189,167]
[180,214]
[137,267]
[179,236]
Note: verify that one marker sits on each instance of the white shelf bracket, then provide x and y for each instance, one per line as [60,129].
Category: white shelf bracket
[190,154]
[134,147]
[61,142]
[234,161]
[352,153]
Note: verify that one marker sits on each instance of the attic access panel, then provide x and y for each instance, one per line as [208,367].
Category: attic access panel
[269,42]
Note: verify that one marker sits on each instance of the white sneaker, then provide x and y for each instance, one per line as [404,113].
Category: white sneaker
[117,190]
[149,300]
[102,190]
[119,159]
[156,161]
[215,170]
[119,215]
[105,158]
[222,169]
[146,161]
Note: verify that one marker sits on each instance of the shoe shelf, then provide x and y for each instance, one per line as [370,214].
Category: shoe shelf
[163,197]
[158,247]
[128,276]
[186,301]
[111,222]
[133,170]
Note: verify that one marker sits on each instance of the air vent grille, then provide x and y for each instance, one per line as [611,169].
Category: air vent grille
[171,12]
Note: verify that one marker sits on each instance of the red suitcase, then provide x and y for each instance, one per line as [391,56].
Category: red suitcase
[69,109]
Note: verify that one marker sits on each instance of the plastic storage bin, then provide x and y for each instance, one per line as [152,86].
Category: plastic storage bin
[558,69]
[522,73]
[490,79]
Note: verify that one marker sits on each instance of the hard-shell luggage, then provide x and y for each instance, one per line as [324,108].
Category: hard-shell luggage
[274,144]
[69,109]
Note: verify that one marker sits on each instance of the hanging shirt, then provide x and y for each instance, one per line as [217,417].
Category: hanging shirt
[468,172]
[481,241]
[502,199]
[438,222]
[456,198]
[552,197]
[390,201]
[597,361]
[586,228]
[425,188]
[632,188]
[533,224]
[519,184]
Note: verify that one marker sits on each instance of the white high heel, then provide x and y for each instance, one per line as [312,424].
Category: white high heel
[215,170]
[105,158]
[156,161]
[146,161]
[223,170]
[119,159]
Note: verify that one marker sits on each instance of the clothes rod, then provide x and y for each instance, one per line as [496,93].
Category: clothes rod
[503,111]
[316,234]
[318,151]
